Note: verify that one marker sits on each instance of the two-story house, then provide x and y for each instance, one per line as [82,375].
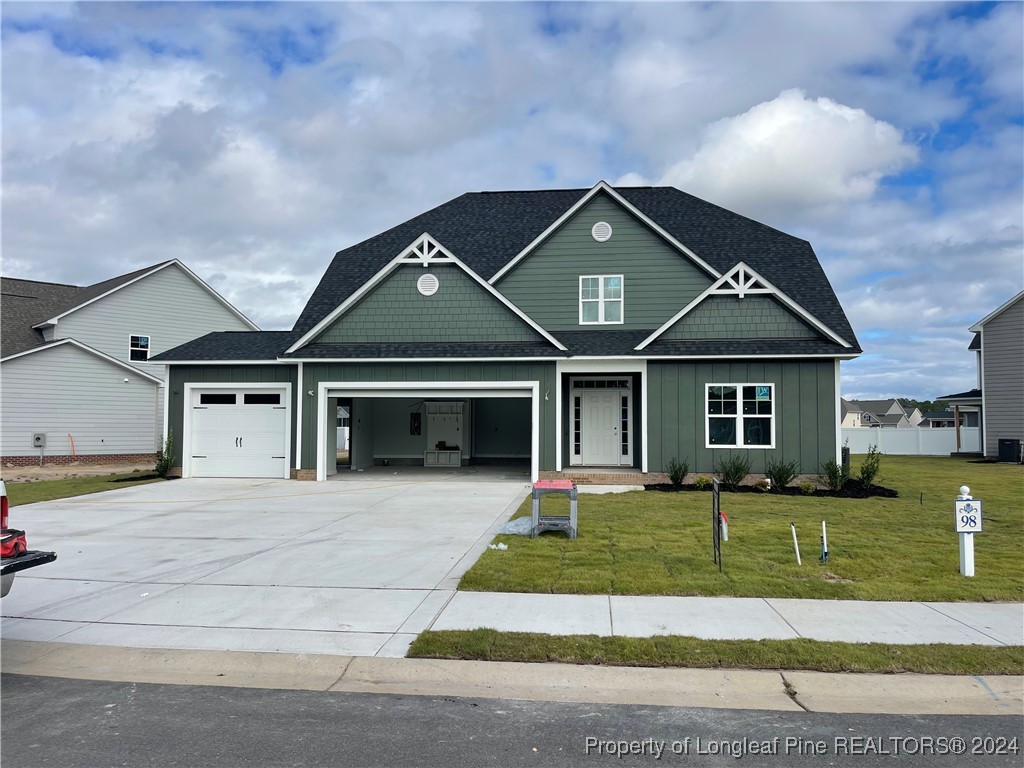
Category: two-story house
[78,384]
[999,346]
[573,331]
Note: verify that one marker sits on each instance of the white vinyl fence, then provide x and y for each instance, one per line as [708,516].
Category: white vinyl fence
[939,441]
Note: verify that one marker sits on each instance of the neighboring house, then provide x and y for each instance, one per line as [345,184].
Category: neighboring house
[948,418]
[999,344]
[851,416]
[882,413]
[75,361]
[575,331]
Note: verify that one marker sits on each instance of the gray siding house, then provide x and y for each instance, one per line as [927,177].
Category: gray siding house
[1000,343]
[582,333]
[76,361]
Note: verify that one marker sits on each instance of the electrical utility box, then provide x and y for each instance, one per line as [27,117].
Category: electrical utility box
[38,439]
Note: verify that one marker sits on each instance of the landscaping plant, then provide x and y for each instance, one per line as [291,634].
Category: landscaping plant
[870,467]
[733,470]
[677,471]
[165,457]
[834,475]
[781,473]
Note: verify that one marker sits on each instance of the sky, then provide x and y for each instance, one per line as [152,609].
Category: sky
[254,140]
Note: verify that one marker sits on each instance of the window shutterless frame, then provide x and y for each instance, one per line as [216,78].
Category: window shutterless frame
[139,347]
[739,415]
[602,300]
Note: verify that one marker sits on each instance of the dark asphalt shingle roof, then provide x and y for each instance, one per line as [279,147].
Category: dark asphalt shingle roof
[486,230]
[231,345]
[25,303]
[968,395]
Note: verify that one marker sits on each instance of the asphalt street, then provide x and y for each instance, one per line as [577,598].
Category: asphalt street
[84,724]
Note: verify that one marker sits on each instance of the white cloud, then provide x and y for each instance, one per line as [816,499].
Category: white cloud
[792,154]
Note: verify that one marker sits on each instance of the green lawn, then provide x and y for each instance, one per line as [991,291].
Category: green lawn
[47,490]
[675,651]
[649,543]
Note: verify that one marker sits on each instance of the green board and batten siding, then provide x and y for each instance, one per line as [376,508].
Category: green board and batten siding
[411,373]
[221,374]
[805,421]
[658,280]
[461,310]
[730,317]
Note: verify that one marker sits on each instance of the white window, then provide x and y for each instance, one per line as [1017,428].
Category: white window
[138,348]
[740,415]
[600,299]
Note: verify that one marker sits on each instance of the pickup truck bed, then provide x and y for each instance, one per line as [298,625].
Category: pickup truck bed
[11,565]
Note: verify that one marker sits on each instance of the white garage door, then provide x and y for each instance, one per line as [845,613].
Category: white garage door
[239,433]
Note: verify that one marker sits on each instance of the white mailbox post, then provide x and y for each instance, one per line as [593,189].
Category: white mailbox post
[968,522]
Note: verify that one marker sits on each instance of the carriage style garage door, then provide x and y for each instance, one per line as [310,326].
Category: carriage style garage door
[238,433]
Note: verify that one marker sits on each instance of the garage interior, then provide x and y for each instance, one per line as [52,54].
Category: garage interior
[434,432]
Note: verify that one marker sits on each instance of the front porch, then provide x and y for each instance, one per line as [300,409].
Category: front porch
[606,476]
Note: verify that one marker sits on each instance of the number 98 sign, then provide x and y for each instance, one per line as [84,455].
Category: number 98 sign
[968,515]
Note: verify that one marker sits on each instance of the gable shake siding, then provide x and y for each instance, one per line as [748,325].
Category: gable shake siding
[730,317]
[657,279]
[396,311]
[1002,354]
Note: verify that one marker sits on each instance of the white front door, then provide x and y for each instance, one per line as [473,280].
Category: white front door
[602,444]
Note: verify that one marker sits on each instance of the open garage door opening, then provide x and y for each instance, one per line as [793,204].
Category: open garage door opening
[438,426]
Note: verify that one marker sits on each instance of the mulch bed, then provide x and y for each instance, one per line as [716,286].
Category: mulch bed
[854,489]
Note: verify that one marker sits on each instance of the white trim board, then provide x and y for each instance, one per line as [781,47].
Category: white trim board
[446,389]
[173,262]
[976,328]
[603,186]
[740,281]
[424,251]
[89,350]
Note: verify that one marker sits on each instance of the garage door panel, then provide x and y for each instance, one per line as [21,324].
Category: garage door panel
[240,440]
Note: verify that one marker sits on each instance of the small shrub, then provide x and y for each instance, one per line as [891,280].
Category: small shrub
[781,473]
[763,485]
[165,457]
[807,489]
[677,471]
[703,483]
[872,464]
[733,470]
[834,476]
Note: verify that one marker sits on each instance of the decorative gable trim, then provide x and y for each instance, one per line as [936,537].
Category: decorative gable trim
[173,262]
[740,281]
[425,251]
[603,186]
[91,351]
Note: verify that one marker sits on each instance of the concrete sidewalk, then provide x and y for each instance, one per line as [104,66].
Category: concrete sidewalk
[771,690]
[738,618]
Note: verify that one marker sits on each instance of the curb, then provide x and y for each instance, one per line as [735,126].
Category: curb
[710,688]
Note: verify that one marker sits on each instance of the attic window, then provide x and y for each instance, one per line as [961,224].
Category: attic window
[602,231]
[427,285]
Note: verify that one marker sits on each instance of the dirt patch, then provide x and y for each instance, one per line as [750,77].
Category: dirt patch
[51,472]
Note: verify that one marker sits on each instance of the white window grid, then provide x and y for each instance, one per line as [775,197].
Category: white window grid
[602,299]
[139,346]
[739,416]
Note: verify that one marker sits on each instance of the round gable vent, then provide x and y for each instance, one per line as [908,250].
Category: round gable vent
[427,285]
[601,231]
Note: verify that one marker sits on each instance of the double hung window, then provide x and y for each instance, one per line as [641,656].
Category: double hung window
[600,299]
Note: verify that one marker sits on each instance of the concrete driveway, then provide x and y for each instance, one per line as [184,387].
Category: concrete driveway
[352,567]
